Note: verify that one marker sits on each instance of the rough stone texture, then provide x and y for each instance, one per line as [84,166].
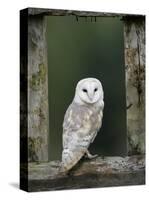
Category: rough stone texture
[37,90]
[100,172]
[81,13]
[134,36]
[23,85]
[23,97]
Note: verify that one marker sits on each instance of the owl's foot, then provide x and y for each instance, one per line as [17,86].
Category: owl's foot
[90,156]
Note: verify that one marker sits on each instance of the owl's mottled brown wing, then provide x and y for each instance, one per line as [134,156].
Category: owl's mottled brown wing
[77,135]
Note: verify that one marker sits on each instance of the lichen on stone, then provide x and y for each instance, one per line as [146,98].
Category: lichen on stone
[38,78]
[34,146]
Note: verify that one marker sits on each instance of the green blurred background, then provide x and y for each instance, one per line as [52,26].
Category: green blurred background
[80,49]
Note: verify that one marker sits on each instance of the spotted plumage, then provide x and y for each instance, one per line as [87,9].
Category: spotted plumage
[82,121]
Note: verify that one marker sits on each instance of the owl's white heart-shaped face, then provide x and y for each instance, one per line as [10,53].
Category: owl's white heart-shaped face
[89,91]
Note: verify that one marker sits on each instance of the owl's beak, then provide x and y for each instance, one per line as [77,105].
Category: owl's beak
[90,95]
[90,98]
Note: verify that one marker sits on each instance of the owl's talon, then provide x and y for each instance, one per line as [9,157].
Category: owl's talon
[93,156]
[90,156]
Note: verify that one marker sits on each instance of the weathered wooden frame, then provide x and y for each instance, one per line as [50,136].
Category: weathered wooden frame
[34,97]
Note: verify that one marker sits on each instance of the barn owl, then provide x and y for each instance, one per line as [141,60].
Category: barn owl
[82,121]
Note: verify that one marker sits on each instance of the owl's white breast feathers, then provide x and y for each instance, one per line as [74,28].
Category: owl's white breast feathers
[79,130]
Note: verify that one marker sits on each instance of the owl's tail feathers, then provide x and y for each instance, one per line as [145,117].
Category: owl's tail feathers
[70,159]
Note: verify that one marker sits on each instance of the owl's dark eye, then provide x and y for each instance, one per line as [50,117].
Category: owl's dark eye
[84,90]
[95,90]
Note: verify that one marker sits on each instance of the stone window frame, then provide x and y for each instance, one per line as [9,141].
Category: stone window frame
[34,85]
